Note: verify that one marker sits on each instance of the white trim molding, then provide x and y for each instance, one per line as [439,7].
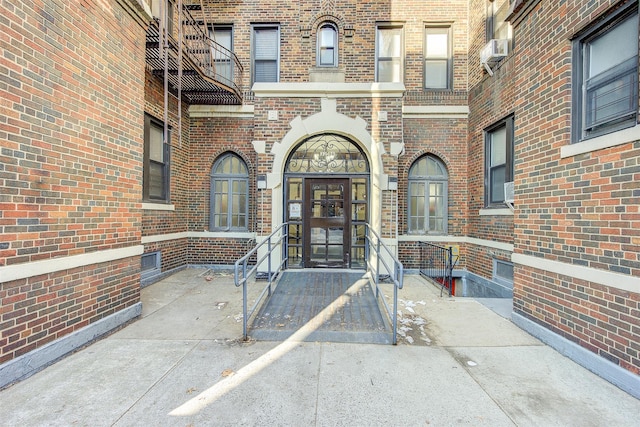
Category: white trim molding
[495,212]
[206,111]
[29,269]
[328,90]
[588,274]
[197,234]
[435,112]
[457,239]
[158,207]
[620,137]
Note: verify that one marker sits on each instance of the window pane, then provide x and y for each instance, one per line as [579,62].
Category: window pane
[497,184]
[266,71]
[389,71]
[327,37]
[156,136]
[611,100]
[266,43]
[222,36]
[437,45]
[221,186]
[389,42]
[614,47]
[156,178]
[435,74]
[326,56]
[499,146]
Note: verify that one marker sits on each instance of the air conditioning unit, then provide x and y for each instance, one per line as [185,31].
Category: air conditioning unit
[509,196]
[493,51]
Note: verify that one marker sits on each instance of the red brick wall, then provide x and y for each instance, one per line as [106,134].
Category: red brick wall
[446,139]
[211,138]
[601,319]
[70,165]
[356,55]
[581,210]
[176,220]
[40,309]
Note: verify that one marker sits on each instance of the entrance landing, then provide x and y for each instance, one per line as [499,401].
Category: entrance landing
[322,305]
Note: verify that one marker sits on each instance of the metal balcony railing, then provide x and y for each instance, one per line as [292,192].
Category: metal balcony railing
[197,67]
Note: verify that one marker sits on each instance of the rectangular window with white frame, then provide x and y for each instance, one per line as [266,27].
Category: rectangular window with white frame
[389,53]
[265,54]
[605,75]
[437,57]
[498,161]
[155,180]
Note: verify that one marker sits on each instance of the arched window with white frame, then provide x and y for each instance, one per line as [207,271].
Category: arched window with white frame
[427,198]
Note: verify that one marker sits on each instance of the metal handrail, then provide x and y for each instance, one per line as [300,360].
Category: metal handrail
[395,273]
[242,272]
[437,263]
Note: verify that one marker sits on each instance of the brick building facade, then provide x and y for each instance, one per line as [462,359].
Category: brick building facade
[91,207]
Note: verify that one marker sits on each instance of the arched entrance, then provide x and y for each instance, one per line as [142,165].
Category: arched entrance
[326,203]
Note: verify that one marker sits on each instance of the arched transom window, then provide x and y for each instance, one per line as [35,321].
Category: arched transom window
[428,182]
[327,153]
[229,194]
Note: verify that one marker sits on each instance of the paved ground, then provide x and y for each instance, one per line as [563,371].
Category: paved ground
[182,364]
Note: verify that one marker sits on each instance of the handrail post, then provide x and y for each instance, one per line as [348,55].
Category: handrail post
[244,301]
[378,265]
[450,270]
[269,264]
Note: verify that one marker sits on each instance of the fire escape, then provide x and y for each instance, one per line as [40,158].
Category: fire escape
[195,68]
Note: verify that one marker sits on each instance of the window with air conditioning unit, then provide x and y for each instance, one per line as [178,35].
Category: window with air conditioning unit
[499,164]
[498,34]
[493,51]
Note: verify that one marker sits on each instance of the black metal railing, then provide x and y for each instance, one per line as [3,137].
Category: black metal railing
[437,263]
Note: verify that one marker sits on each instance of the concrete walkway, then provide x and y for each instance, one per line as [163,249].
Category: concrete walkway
[183,364]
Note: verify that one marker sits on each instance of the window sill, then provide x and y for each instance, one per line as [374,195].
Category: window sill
[620,137]
[158,207]
[495,212]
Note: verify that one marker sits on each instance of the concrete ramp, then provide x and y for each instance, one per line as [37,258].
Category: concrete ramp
[322,305]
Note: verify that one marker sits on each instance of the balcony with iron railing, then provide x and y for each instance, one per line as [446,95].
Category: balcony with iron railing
[197,67]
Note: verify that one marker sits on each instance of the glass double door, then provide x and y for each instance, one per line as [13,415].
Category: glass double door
[327,219]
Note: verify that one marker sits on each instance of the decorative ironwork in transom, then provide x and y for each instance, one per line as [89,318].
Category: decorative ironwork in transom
[327,153]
